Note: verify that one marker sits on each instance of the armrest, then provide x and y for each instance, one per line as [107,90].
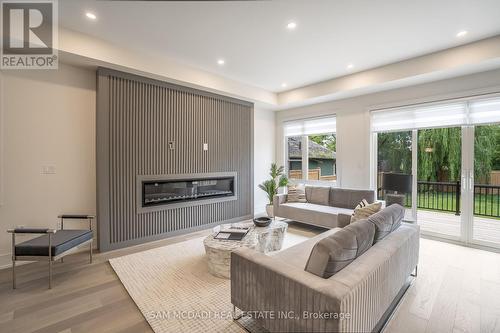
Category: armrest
[258,279]
[279,199]
[32,231]
[76,216]
[80,217]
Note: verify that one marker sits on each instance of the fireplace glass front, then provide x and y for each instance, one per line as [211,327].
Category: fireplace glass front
[161,192]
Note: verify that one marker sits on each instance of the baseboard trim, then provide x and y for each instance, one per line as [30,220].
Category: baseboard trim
[6,261]
[149,239]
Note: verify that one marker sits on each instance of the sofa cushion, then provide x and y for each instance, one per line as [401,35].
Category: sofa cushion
[361,213]
[318,195]
[346,198]
[386,221]
[323,216]
[333,253]
[318,208]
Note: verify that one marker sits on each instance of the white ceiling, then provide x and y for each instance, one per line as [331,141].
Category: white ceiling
[258,48]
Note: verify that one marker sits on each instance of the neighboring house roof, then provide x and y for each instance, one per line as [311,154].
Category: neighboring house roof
[315,150]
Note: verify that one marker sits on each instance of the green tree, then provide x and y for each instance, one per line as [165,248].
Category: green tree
[394,152]
[486,152]
[326,140]
[439,154]
[496,154]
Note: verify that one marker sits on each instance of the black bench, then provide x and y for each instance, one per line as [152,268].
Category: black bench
[60,242]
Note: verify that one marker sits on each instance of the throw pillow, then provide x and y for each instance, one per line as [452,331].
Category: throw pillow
[364,210]
[386,221]
[296,193]
[318,195]
[333,253]
[362,204]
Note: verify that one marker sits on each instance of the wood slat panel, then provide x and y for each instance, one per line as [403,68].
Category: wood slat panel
[138,117]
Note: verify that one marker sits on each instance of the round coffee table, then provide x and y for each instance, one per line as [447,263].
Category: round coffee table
[262,239]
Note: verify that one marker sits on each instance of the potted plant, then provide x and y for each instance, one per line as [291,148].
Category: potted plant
[271,186]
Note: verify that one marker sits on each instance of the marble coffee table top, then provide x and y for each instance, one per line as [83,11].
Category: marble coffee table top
[255,236]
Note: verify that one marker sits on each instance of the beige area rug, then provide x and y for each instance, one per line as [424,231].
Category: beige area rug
[175,292]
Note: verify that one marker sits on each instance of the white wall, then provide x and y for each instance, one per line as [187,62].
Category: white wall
[353,119]
[49,119]
[264,152]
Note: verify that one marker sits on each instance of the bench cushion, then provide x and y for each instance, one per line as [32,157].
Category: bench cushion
[62,241]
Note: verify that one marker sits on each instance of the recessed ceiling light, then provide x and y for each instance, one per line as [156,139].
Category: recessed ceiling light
[90,15]
[283,85]
[462,33]
[221,62]
[291,25]
[350,66]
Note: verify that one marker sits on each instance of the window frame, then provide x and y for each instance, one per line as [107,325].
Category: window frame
[305,153]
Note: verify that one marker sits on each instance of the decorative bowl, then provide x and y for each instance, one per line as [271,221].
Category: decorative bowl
[263,221]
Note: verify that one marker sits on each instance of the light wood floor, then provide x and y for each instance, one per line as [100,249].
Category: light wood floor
[484,229]
[457,290]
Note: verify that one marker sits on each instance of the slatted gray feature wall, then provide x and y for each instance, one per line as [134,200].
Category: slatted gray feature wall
[137,117]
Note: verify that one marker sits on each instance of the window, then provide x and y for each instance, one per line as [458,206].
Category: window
[321,157]
[314,141]
[294,163]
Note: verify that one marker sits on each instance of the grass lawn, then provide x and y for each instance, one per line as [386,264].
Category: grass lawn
[488,205]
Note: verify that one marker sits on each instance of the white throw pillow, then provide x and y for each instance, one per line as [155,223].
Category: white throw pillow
[364,210]
[296,193]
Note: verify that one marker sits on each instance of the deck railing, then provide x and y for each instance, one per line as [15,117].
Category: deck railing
[445,196]
[487,200]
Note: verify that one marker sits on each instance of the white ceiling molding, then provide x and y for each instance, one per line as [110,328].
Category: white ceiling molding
[462,60]
[80,49]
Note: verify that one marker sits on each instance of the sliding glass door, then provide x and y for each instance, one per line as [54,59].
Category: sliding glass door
[485,192]
[451,151]
[394,159]
[439,170]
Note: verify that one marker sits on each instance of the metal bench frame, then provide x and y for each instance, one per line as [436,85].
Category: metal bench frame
[50,258]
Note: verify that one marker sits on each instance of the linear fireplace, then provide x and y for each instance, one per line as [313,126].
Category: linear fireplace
[160,192]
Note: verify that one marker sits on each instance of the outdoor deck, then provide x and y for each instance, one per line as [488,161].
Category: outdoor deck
[485,229]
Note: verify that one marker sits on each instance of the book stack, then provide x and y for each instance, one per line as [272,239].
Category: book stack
[232,233]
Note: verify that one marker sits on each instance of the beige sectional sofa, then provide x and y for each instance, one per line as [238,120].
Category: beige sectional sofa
[284,297]
[328,207]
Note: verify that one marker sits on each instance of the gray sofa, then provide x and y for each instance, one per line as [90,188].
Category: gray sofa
[358,298]
[328,207]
